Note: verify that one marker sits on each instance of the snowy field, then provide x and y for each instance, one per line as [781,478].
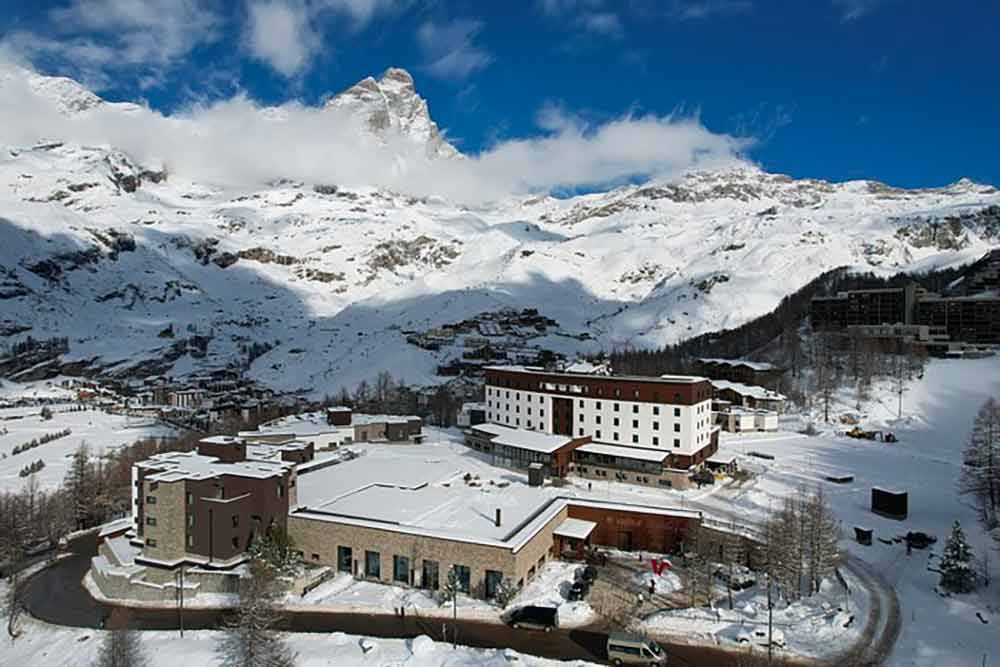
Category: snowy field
[938,411]
[43,644]
[101,431]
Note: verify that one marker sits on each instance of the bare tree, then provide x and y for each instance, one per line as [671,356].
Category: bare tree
[122,646]
[980,476]
[827,374]
[250,638]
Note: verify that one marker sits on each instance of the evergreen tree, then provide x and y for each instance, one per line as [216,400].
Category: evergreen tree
[957,572]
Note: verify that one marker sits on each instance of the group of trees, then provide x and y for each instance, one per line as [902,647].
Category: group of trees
[31,468]
[980,477]
[387,395]
[39,441]
[800,544]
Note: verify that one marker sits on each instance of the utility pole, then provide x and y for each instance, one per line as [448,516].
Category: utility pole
[770,620]
[454,607]
[180,599]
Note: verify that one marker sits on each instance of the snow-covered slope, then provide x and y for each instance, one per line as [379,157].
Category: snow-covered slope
[147,271]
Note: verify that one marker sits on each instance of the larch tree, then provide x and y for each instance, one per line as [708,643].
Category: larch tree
[250,638]
[980,477]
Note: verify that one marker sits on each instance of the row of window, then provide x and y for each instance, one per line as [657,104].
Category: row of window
[623,477]
[585,389]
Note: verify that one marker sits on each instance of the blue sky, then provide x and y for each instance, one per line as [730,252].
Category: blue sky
[903,91]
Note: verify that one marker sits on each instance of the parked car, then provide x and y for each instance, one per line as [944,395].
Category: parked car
[578,590]
[757,636]
[919,540]
[741,578]
[534,618]
[624,649]
[587,573]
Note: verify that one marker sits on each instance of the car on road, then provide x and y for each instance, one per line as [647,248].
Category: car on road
[626,649]
[534,618]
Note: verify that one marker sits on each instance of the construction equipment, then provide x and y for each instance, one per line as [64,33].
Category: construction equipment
[882,436]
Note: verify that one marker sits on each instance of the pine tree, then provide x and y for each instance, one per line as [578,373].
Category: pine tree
[249,639]
[957,572]
[981,465]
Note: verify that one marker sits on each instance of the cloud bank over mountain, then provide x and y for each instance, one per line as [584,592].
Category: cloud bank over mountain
[237,142]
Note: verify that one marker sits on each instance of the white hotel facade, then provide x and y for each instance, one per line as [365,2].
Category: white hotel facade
[672,414]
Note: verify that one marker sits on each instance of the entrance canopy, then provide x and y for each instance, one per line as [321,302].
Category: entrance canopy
[575,529]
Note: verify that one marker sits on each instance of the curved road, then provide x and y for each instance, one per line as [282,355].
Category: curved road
[56,595]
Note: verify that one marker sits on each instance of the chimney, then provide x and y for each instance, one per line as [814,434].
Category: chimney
[498,517]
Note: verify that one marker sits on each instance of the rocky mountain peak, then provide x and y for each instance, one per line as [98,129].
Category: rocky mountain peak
[392,104]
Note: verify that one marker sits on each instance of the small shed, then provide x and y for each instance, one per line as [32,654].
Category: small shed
[890,503]
[863,535]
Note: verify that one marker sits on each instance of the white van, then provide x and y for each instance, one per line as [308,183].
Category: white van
[626,649]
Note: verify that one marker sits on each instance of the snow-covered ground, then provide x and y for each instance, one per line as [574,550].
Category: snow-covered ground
[938,411]
[550,588]
[810,627]
[101,431]
[42,644]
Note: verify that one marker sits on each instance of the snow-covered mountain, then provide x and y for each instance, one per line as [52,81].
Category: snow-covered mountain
[391,103]
[147,271]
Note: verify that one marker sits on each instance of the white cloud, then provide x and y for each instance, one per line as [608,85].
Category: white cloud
[703,9]
[855,9]
[94,37]
[236,142]
[602,23]
[449,48]
[280,34]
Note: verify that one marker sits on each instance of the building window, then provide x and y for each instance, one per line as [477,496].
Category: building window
[581,404]
[541,413]
[493,579]
[401,569]
[615,436]
[236,521]
[616,421]
[656,426]
[281,490]
[517,422]
[635,423]
[581,432]
[150,542]
[582,418]
[315,556]
[618,392]
[373,564]
[635,439]
[598,405]
[656,409]
[617,407]
[150,520]
[656,441]
[529,412]
[635,393]
[677,412]
[677,428]
[635,409]
[677,442]
[462,576]
[190,541]
[150,500]
[236,543]
[597,434]
[597,419]
[190,520]
[190,498]
[541,427]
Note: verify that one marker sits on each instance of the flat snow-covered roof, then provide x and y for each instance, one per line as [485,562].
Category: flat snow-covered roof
[574,529]
[635,453]
[664,379]
[523,439]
